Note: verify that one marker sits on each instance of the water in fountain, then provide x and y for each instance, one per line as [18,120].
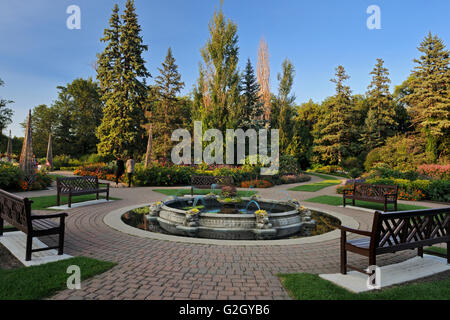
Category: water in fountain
[196,199]
[283,192]
[249,204]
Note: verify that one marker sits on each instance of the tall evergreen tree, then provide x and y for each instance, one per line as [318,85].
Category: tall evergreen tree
[333,132]
[217,95]
[253,107]
[167,114]
[122,74]
[429,100]
[5,112]
[380,122]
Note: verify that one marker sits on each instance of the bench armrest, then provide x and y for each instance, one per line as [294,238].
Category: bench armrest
[49,216]
[361,232]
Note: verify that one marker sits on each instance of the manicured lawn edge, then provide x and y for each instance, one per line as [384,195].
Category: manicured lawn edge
[305,286]
[40,282]
[337,201]
[44,202]
[313,187]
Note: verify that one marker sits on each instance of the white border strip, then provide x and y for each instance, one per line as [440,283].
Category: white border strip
[114,220]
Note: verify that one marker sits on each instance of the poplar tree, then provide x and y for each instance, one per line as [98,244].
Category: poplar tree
[429,100]
[333,132]
[217,94]
[380,122]
[253,107]
[122,74]
[167,114]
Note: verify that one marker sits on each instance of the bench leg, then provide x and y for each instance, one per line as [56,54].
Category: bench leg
[395,205]
[385,206]
[107,195]
[69,203]
[29,247]
[61,240]
[1,226]
[420,252]
[58,199]
[448,252]
[97,196]
[353,202]
[343,253]
[373,262]
[343,201]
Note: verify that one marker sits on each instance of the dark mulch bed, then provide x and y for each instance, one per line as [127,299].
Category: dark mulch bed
[7,260]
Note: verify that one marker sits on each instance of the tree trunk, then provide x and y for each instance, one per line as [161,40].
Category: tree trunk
[148,154]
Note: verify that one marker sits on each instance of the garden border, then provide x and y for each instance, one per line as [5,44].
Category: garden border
[114,220]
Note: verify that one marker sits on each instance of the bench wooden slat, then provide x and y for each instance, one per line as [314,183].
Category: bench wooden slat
[397,231]
[76,186]
[16,211]
[378,193]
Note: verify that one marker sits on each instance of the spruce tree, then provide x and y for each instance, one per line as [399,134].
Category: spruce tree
[380,122]
[122,75]
[429,100]
[253,107]
[333,132]
[166,115]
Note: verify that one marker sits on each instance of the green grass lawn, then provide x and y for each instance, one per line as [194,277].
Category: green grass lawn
[337,201]
[304,286]
[40,282]
[324,176]
[182,192]
[316,186]
[434,250]
[56,176]
[41,203]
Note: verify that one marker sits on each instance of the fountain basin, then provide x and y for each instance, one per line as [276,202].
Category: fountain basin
[284,220]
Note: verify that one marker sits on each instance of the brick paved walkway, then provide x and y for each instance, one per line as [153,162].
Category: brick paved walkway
[153,269]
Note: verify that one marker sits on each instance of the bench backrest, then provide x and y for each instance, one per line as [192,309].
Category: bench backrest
[15,210]
[77,183]
[207,181]
[373,190]
[410,229]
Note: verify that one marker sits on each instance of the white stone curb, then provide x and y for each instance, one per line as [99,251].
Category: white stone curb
[114,220]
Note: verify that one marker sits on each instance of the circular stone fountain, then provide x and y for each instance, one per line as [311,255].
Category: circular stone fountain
[244,219]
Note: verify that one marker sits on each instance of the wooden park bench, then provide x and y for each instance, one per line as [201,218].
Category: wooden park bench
[397,231]
[16,211]
[372,192]
[205,182]
[77,186]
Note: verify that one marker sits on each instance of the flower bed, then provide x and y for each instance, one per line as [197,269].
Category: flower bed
[12,179]
[435,171]
[256,184]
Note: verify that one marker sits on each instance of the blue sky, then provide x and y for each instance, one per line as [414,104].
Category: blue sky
[38,52]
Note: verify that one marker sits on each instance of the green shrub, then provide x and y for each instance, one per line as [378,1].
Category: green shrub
[10,176]
[289,164]
[351,163]
[354,173]
[439,190]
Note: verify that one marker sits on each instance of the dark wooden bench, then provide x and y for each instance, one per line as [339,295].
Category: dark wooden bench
[205,182]
[397,231]
[16,211]
[385,194]
[77,186]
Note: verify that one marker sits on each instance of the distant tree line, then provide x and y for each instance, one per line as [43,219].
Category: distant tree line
[112,115]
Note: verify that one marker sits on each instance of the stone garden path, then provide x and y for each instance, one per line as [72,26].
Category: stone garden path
[154,269]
